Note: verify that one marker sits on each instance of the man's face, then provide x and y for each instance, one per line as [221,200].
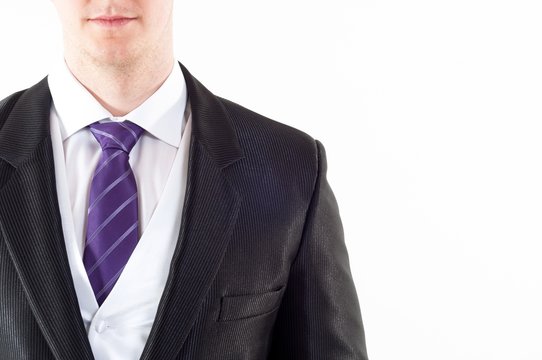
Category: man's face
[115,32]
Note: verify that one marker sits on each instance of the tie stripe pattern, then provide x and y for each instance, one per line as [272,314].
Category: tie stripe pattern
[112,220]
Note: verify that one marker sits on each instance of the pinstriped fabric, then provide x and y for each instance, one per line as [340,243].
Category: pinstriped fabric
[259,216]
[49,308]
[331,321]
[12,312]
[112,226]
[6,105]
[20,138]
[6,170]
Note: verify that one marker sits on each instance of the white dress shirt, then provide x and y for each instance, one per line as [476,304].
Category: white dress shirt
[120,327]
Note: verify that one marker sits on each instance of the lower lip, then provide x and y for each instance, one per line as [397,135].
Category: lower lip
[111,23]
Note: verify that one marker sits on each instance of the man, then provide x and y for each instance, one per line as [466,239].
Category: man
[143,217]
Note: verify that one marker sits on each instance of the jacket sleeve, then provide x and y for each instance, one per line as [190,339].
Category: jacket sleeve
[319,317]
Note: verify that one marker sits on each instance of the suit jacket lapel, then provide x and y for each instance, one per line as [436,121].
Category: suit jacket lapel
[31,225]
[209,215]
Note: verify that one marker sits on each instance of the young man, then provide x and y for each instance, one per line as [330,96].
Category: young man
[143,217]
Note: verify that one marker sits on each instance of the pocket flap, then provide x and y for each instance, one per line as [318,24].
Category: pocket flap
[245,306]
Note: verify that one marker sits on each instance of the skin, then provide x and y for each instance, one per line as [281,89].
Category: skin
[121,65]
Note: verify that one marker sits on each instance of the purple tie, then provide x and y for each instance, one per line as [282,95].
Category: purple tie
[112,226]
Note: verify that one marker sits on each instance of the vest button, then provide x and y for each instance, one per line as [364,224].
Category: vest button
[101,327]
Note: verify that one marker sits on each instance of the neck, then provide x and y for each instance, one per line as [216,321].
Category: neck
[121,88]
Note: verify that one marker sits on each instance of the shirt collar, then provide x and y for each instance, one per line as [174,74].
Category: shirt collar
[162,114]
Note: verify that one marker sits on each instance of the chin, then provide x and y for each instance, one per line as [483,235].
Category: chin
[120,57]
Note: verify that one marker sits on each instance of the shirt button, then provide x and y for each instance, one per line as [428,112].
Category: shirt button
[101,327]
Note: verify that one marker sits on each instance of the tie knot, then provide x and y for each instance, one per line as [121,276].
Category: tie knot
[116,135]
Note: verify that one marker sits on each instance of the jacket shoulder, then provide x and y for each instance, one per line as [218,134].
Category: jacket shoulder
[258,130]
[278,158]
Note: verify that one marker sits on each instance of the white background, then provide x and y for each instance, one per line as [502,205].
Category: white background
[430,112]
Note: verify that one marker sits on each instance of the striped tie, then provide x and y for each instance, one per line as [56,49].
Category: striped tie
[112,226]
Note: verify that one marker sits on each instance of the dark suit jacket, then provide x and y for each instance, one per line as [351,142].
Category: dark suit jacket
[260,270]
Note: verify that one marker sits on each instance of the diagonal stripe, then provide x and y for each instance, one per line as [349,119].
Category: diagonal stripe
[108,189]
[107,161]
[100,132]
[109,283]
[129,129]
[111,217]
[113,247]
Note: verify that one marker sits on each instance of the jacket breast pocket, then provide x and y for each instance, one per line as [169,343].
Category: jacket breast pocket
[247,306]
